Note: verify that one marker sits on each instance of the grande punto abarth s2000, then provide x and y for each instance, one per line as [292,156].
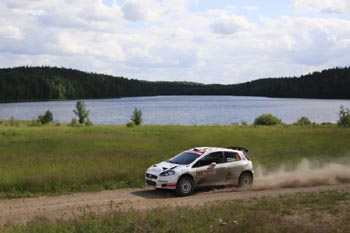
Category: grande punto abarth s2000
[202,166]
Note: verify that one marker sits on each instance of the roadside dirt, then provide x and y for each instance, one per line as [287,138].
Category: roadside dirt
[21,211]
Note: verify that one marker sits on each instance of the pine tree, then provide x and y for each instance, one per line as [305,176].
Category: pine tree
[81,111]
[137,116]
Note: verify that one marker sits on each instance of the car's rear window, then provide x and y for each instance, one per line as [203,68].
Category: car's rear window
[184,158]
[231,156]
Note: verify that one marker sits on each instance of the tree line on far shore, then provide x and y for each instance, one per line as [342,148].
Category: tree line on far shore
[53,83]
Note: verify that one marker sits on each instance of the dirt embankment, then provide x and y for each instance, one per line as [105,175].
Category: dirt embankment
[304,178]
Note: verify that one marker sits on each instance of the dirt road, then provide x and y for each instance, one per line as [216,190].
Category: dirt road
[20,211]
[304,178]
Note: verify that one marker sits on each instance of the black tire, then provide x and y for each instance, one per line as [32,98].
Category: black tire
[245,180]
[184,186]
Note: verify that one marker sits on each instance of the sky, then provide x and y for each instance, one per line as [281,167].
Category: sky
[202,41]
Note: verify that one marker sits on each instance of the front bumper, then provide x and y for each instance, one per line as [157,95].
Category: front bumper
[161,182]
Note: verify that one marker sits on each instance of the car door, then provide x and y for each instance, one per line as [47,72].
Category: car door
[210,170]
[234,166]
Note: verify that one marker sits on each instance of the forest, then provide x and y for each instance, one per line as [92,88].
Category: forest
[55,83]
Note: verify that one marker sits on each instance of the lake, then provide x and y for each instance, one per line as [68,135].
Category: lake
[184,110]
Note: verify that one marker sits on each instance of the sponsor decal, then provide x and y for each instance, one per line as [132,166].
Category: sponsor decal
[198,153]
[207,172]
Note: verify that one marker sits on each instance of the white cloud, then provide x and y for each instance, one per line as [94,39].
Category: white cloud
[313,42]
[136,10]
[325,6]
[67,14]
[155,11]
[10,32]
[43,26]
[251,8]
[227,23]
[93,16]
[167,40]
[103,46]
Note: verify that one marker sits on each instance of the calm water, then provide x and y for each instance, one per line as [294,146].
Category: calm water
[185,110]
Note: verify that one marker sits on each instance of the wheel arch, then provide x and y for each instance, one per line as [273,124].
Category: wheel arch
[245,172]
[186,175]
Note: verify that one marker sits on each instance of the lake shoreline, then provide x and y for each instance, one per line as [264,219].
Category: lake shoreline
[181,110]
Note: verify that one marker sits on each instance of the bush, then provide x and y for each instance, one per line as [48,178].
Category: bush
[267,119]
[74,122]
[46,118]
[130,124]
[137,116]
[35,123]
[13,122]
[88,122]
[303,121]
[344,117]
[244,123]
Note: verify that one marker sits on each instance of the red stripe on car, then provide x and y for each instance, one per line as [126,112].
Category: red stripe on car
[171,185]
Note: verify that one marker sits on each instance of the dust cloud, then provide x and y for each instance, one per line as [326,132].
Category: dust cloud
[305,174]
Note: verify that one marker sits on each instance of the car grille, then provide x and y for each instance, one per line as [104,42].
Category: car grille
[151,176]
[149,182]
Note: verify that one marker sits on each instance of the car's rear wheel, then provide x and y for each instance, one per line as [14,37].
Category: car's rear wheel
[245,180]
[185,186]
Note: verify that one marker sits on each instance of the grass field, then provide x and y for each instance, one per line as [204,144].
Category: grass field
[60,159]
[310,212]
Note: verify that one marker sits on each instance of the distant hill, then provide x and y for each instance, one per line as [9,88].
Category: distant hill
[53,83]
[327,84]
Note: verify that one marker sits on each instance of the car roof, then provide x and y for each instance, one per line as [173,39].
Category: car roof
[205,150]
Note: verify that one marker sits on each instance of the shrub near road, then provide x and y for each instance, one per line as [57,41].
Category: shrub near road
[50,159]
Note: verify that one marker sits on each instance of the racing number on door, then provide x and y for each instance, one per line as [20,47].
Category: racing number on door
[210,169]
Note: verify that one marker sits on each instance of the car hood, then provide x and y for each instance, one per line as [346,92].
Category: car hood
[163,166]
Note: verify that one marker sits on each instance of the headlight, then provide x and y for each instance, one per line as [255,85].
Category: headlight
[167,173]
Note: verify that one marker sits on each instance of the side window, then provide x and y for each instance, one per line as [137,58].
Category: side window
[216,157]
[231,157]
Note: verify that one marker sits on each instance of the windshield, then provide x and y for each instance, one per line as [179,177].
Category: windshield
[184,158]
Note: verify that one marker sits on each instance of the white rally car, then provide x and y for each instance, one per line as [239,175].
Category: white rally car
[202,166]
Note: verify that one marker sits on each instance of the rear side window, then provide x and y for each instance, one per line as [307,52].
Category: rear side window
[231,157]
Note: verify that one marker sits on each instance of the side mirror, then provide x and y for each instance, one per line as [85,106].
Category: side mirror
[212,165]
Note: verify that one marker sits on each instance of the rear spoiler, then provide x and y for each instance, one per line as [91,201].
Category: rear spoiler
[238,148]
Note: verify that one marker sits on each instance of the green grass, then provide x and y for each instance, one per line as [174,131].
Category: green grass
[60,159]
[310,212]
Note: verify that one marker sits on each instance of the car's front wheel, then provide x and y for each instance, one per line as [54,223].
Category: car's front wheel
[185,186]
[245,180]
